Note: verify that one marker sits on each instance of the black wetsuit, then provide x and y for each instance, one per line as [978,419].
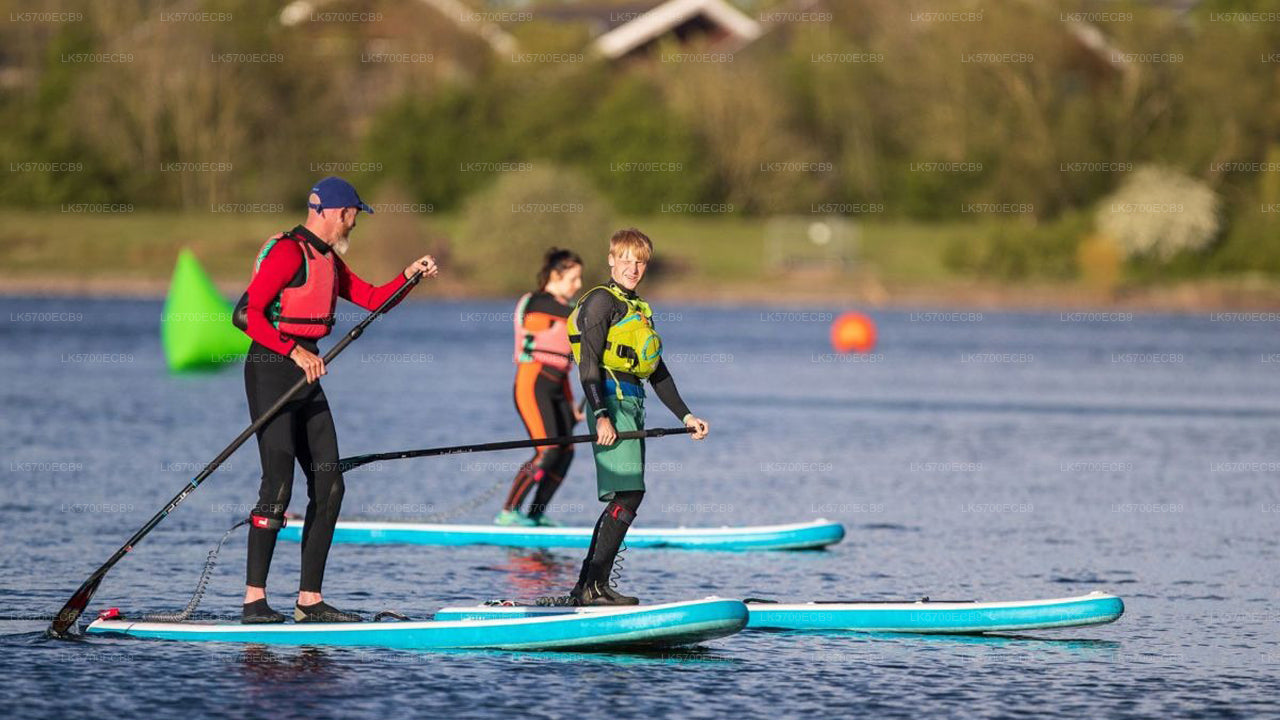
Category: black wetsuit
[597,312]
[303,432]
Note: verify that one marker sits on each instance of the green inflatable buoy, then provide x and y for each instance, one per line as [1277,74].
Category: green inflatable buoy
[196,328]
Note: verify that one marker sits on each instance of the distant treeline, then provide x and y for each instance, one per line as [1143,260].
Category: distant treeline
[899,108]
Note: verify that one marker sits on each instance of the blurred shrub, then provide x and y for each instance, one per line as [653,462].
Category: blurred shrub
[640,154]
[1158,213]
[615,129]
[430,144]
[746,119]
[1250,242]
[508,226]
[36,128]
[1014,250]
[1100,261]
[393,236]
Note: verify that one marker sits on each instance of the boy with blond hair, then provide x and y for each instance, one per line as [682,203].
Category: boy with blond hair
[617,348]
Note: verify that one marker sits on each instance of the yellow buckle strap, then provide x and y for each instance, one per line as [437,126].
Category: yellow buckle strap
[617,386]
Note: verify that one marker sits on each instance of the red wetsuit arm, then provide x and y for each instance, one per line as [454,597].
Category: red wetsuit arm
[278,268]
[369,297]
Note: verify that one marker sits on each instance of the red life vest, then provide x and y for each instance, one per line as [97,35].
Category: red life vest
[549,346]
[304,310]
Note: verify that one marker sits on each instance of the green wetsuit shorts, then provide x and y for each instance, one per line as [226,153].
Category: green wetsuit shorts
[620,467]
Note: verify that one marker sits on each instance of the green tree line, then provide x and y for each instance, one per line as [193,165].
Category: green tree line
[855,110]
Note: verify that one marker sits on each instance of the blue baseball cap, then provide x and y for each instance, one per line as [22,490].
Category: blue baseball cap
[334,192]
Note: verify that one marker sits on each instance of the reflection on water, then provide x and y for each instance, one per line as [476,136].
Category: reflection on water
[261,664]
[990,639]
[530,572]
[695,655]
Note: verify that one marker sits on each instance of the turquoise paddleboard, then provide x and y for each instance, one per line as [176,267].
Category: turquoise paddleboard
[921,616]
[634,627]
[794,536]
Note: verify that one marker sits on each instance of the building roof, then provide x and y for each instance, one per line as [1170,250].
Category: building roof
[673,15]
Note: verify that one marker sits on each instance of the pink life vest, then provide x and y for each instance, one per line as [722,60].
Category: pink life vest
[549,346]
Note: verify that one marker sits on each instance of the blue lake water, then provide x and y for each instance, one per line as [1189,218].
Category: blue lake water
[974,455]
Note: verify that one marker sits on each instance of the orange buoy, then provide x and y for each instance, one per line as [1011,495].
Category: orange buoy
[853,332]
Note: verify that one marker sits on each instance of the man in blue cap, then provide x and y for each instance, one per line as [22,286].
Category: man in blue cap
[298,277]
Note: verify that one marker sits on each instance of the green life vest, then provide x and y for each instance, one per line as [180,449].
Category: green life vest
[632,344]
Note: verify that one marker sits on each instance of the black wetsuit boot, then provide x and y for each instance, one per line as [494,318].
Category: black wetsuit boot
[259,612]
[324,613]
[593,586]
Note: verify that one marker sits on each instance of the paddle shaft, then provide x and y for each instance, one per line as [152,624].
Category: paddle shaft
[71,612]
[346,464]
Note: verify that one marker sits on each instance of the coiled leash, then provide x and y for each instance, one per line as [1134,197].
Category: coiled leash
[201,586]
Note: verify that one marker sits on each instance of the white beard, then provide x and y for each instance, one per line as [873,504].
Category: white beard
[341,246]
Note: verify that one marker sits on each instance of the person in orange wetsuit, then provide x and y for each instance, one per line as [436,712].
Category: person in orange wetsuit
[542,392]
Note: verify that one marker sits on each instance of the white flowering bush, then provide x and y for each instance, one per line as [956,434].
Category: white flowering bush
[1159,212]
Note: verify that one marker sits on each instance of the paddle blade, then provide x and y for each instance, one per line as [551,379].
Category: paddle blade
[75,607]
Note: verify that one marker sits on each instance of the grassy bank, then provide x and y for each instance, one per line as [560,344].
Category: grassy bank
[716,259]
